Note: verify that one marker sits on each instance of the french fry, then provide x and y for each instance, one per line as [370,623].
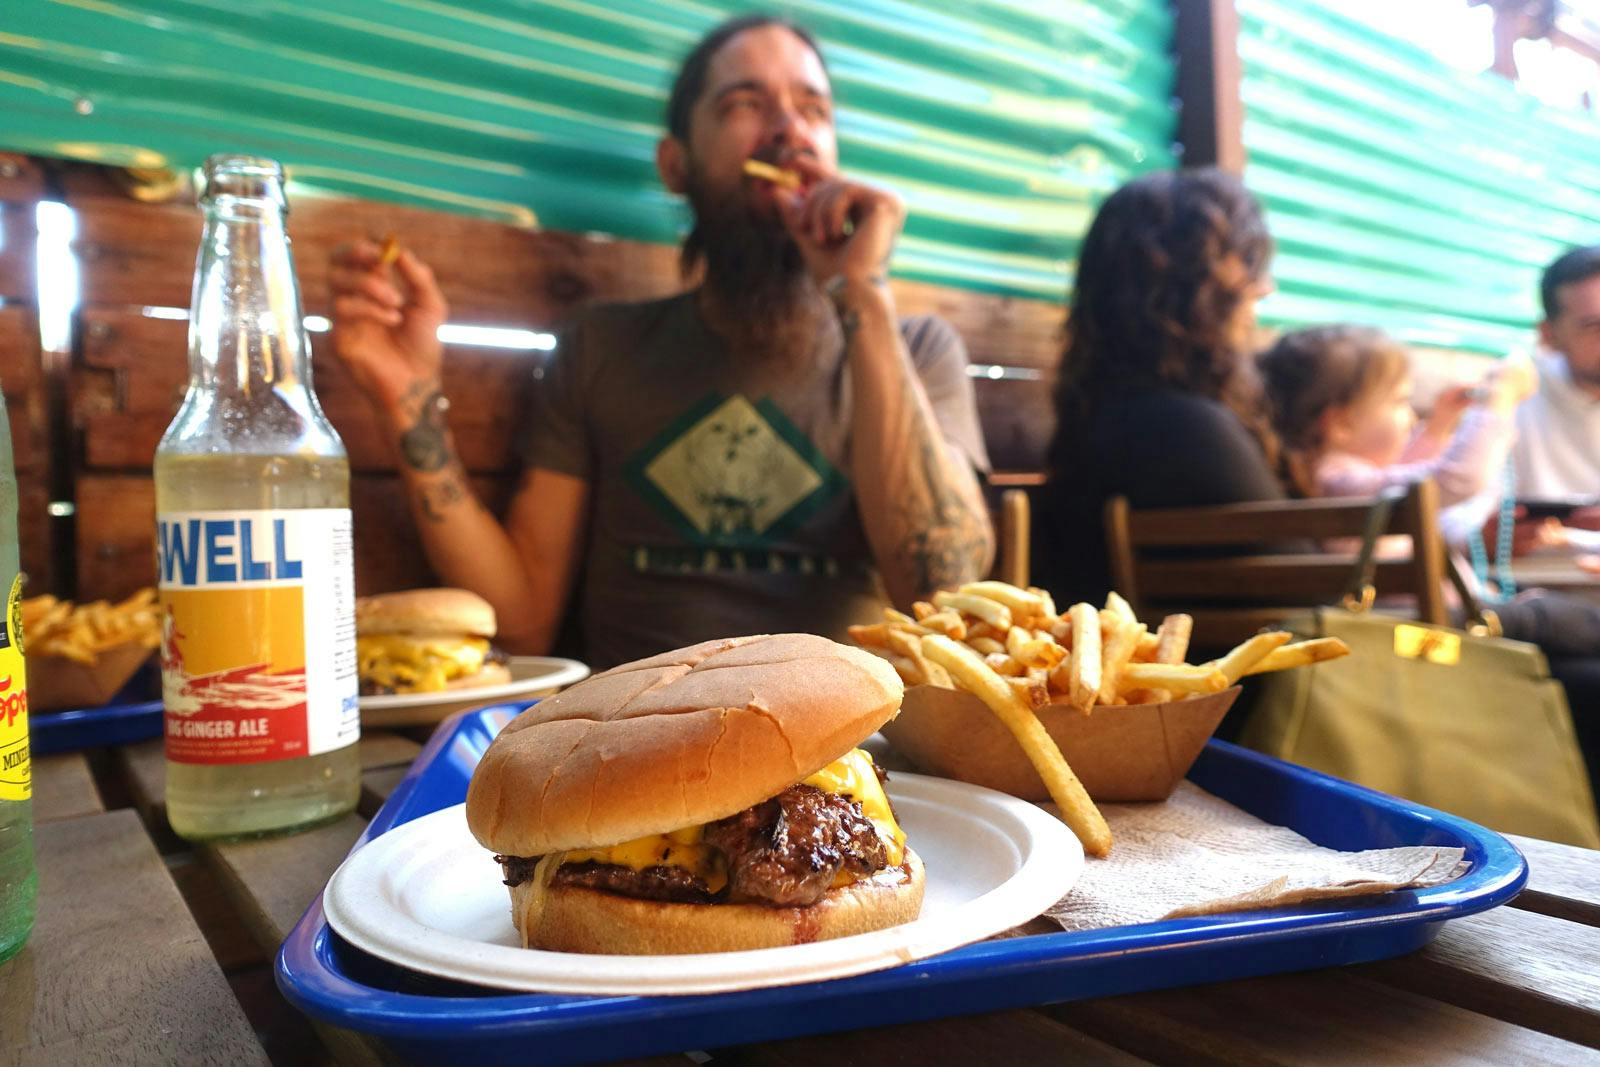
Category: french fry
[756,168]
[1172,643]
[909,673]
[390,250]
[992,612]
[1176,677]
[1020,601]
[986,646]
[1004,665]
[949,623]
[969,672]
[1173,638]
[1246,655]
[922,609]
[1032,693]
[1084,662]
[1032,650]
[1047,603]
[1300,654]
[1148,644]
[1120,607]
[893,618]
[910,646]
[1116,654]
[874,636]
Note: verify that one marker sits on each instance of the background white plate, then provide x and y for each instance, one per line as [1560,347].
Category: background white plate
[531,676]
[427,896]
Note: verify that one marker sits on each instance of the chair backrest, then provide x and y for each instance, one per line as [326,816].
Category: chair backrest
[1013,537]
[1240,567]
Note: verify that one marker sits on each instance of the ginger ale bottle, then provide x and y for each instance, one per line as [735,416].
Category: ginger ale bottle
[253,543]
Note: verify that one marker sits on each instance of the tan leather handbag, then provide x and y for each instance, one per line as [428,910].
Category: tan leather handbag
[1465,721]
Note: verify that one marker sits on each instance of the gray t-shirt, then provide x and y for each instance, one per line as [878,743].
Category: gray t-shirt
[720,487]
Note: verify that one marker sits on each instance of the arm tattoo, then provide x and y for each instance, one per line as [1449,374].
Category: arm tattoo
[425,446]
[946,541]
[438,499]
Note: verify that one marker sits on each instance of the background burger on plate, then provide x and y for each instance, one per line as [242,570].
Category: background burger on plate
[708,799]
[426,641]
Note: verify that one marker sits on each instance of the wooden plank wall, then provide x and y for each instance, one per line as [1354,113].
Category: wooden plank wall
[22,372]
[129,369]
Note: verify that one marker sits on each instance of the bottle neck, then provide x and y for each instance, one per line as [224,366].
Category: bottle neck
[246,337]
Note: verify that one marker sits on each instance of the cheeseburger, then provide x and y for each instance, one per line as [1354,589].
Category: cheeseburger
[425,641]
[704,800]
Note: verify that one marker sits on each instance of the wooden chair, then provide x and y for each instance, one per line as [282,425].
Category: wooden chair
[1266,562]
[1013,536]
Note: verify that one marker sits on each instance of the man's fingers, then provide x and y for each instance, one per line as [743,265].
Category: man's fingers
[357,255]
[839,211]
[418,276]
[351,309]
[365,283]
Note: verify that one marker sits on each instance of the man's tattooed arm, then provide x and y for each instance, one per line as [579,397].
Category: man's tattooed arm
[434,473]
[920,500]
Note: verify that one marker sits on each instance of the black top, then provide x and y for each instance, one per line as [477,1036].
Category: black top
[1159,448]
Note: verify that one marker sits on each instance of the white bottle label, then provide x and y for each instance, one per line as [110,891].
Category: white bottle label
[258,642]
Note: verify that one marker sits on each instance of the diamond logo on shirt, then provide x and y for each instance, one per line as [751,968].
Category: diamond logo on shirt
[734,472]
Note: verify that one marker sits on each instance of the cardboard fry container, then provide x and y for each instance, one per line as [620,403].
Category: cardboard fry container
[56,683]
[1119,752]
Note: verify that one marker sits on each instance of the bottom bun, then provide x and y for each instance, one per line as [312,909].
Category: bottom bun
[576,919]
[492,674]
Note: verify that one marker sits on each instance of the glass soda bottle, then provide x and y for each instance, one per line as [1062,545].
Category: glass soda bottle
[253,543]
[18,879]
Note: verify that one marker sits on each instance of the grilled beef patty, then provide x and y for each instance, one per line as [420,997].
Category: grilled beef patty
[784,852]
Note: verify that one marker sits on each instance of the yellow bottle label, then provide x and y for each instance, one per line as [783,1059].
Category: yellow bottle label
[16,773]
[258,652]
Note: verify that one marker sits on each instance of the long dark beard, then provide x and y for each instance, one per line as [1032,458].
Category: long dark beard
[758,292]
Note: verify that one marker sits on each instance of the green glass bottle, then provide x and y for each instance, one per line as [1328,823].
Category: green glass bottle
[18,879]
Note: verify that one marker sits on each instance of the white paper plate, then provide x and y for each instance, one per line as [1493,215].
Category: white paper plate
[428,897]
[530,676]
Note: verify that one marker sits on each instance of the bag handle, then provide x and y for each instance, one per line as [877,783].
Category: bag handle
[1481,621]
[1361,592]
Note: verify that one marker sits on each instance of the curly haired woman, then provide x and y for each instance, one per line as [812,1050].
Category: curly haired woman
[1158,399]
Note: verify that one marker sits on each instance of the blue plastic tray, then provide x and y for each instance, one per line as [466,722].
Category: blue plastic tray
[430,1020]
[130,716]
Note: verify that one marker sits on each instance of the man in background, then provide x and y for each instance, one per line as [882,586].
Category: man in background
[1557,453]
[763,452]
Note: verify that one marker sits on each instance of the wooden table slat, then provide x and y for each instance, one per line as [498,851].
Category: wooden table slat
[1016,1038]
[1563,881]
[376,787]
[63,788]
[381,749]
[272,880]
[116,970]
[1319,1017]
[145,765]
[1519,966]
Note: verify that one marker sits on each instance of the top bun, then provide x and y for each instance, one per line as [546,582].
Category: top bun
[677,740]
[425,611]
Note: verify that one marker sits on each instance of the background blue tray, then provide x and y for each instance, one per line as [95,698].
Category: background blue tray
[430,1020]
[130,716]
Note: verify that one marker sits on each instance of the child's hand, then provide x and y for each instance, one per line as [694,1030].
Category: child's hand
[1512,382]
[1448,407]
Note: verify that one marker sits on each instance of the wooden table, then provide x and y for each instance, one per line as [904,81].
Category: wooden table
[148,950]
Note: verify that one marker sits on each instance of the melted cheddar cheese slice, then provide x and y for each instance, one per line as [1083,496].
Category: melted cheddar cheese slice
[418,664]
[851,776]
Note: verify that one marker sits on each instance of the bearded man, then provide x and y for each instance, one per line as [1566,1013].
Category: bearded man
[772,450]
